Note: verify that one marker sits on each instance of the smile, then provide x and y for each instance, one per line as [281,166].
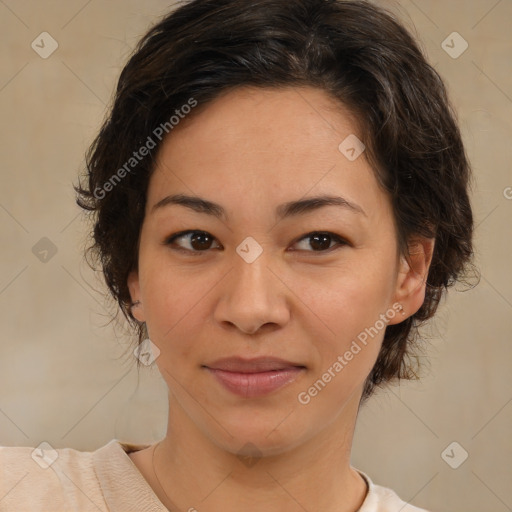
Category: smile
[255,384]
[256,377]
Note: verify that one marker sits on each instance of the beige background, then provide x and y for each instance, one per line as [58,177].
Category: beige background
[67,376]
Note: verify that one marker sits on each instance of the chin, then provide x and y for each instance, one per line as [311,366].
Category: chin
[257,435]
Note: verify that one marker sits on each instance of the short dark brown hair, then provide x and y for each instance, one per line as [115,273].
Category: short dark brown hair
[357,53]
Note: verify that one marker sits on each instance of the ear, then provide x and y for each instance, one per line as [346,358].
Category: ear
[134,288]
[412,277]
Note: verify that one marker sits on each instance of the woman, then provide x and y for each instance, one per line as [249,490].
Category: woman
[280,196]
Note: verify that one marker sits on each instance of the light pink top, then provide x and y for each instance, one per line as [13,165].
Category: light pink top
[105,480]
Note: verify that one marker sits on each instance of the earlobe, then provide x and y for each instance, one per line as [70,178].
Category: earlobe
[412,276]
[137,307]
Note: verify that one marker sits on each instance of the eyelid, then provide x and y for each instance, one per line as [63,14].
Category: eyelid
[341,241]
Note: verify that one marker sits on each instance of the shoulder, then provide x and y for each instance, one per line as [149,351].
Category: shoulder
[66,480]
[383,499]
[44,478]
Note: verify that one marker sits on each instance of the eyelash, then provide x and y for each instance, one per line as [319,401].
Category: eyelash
[170,241]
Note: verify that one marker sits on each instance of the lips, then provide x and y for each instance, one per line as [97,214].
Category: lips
[254,377]
[260,364]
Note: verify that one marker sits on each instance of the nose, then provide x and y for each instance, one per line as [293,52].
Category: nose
[253,297]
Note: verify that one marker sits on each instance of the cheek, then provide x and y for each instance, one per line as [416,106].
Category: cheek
[346,334]
[174,305]
[344,326]
[347,299]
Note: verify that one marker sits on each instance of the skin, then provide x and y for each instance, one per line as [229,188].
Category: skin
[250,151]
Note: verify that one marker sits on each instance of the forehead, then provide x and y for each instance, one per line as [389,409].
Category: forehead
[264,145]
[259,119]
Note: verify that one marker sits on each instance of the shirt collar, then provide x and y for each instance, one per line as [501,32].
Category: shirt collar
[122,484]
[125,489]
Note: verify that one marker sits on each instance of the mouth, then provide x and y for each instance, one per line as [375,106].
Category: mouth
[252,378]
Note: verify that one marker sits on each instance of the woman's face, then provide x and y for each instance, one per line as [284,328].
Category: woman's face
[264,280]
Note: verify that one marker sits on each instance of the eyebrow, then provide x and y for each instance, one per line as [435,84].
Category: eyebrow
[284,210]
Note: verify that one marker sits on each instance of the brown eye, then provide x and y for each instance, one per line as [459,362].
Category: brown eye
[201,241]
[321,241]
[198,241]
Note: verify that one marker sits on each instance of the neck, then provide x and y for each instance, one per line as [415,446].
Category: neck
[194,473]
